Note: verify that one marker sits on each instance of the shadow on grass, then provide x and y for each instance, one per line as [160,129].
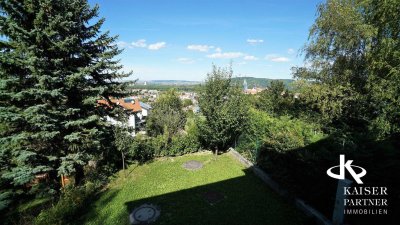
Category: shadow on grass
[101,199]
[242,200]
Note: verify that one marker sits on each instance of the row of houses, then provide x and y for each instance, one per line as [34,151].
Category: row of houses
[138,111]
[148,95]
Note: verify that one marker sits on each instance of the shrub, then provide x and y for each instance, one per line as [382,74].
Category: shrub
[183,144]
[254,133]
[70,205]
[278,134]
[141,149]
[285,134]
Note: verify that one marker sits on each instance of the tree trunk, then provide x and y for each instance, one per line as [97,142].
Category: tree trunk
[79,174]
[123,160]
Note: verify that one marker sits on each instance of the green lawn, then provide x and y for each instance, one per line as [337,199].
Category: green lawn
[179,193]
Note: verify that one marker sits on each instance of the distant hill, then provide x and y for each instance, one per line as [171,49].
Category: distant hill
[259,82]
[191,85]
[169,82]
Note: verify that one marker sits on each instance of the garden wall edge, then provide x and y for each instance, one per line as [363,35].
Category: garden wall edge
[300,204]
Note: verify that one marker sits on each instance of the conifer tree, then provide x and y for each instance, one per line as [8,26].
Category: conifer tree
[55,63]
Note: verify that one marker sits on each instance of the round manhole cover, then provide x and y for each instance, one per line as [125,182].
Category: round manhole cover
[193,165]
[144,214]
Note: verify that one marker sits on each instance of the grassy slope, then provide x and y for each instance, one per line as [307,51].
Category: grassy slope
[179,194]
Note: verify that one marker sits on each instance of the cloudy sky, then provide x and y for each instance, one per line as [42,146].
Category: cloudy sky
[181,39]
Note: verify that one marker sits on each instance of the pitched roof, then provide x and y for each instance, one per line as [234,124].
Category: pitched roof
[145,106]
[126,103]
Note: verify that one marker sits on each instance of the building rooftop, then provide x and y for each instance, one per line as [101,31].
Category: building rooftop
[126,103]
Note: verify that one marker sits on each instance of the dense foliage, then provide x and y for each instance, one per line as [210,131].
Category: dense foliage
[167,144]
[345,101]
[167,116]
[279,134]
[55,64]
[277,100]
[354,72]
[224,108]
[72,203]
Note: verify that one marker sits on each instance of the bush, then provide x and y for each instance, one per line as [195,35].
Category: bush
[142,149]
[285,134]
[183,144]
[70,205]
[145,148]
[278,134]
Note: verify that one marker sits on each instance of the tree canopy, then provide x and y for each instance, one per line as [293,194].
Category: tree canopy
[224,108]
[166,115]
[55,63]
[354,69]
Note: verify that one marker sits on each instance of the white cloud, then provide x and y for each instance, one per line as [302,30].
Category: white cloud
[275,58]
[225,55]
[157,46]
[139,44]
[250,58]
[200,48]
[254,41]
[218,49]
[290,51]
[122,44]
[186,60]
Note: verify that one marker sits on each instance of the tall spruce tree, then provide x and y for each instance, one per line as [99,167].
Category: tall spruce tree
[55,63]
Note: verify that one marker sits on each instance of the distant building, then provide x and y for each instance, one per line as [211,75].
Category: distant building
[146,108]
[244,85]
[133,109]
[253,91]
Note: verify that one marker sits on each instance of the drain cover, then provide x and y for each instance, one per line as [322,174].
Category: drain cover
[193,165]
[144,214]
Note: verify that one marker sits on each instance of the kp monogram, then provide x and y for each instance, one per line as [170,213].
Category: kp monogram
[349,168]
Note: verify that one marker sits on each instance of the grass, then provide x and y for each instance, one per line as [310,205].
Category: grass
[179,194]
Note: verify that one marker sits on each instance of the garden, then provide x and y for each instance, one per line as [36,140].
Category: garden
[57,64]
[221,192]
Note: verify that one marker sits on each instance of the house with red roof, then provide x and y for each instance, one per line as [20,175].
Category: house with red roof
[133,109]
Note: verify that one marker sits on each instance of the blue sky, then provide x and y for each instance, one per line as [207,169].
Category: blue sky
[181,39]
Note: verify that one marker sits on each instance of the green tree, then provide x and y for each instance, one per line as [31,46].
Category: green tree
[187,102]
[383,82]
[224,109]
[337,54]
[122,134]
[167,116]
[276,99]
[55,64]
[353,53]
